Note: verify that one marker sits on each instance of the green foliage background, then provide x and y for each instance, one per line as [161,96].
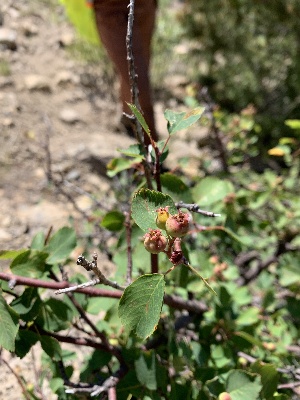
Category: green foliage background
[248,52]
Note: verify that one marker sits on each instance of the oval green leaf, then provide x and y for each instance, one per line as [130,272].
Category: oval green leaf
[181,120]
[113,221]
[9,325]
[141,303]
[60,246]
[210,190]
[242,385]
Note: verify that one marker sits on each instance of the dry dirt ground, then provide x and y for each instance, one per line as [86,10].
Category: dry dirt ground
[46,105]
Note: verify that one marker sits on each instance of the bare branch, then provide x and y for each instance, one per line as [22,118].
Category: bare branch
[93,292]
[195,208]
[95,390]
[193,306]
[131,69]
[92,266]
[129,248]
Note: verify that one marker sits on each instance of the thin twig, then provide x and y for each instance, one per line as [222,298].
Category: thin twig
[195,208]
[135,91]
[291,385]
[75,288]
[23,388]
[131,68]
[109,383]
[129,248]
[24,281]
[92,266]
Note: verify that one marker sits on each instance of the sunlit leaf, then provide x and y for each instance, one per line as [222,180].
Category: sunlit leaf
[141,303]
[182,120]
[60,245]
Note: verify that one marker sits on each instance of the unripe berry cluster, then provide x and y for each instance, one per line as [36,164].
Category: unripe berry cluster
[176,226]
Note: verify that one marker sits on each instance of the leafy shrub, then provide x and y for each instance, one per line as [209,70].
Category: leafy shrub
[171,336]
[247,52]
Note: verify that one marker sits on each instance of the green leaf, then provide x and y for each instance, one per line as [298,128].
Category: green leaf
[9,254]
[30,263]
[60,246]
[141,303]
[176,188]
[38,242]
[24,341]
[55,315]
[82,17]
[281,396]
[269,378]
[182,120]
[211,190]
[242,385]
[28,304]
[113,221]
[56,384]
[144,205]
[8,325]
[289,274]
[96,305]
[133,150]
[249,317]
[117,165]
[293,123]
[140,118]
[251,339]
[51,347]
[145,368]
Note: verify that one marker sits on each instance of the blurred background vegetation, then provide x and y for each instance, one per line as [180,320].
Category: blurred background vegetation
[248,52]
[244,52]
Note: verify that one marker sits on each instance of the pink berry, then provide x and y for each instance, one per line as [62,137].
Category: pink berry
[224,396]
[154,241]
[178,225]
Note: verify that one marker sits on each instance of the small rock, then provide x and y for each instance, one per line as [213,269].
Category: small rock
[5,82]
[8,122]
[4,235]
[73,175]
[66,39]
[65,78]
[37,82]
[29,29]
[84,203]
[69,116]
[8,38]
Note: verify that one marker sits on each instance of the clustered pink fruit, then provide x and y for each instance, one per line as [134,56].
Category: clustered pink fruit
[176,226]
[179,224]
[154,241]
